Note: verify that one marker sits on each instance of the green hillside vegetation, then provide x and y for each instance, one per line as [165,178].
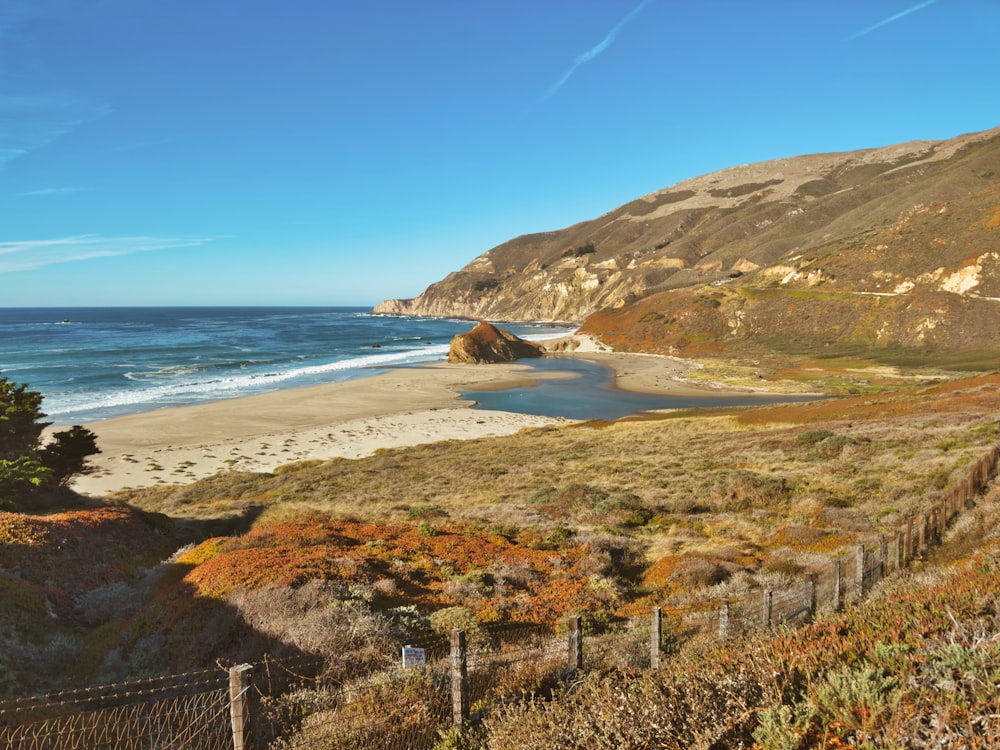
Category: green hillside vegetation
[348,559]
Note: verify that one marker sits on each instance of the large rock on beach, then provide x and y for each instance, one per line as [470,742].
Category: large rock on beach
[486,344]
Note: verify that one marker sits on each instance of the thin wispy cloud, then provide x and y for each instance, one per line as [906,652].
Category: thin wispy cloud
[890,19]
[31,122]
[32,254]
[53,191]
[598,48]
[32,117]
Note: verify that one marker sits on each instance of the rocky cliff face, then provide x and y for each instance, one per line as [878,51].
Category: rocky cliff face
[768,221]
[487,344]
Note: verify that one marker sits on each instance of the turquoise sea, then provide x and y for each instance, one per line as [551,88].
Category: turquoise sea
[95,363]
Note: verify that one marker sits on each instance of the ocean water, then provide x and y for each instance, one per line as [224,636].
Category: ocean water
[95,363]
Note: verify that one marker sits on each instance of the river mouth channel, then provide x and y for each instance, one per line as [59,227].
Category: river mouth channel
[589,392]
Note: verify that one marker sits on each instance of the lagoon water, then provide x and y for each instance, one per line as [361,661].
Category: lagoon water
[590,394]
[96,363]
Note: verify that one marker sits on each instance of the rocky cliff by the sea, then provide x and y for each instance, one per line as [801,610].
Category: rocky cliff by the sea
[905,240]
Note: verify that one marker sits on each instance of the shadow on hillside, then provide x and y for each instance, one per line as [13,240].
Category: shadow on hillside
[178,630]
[90,592]
[196,530]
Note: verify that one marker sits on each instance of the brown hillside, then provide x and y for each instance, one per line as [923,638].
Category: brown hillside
[910,218]
[926,283]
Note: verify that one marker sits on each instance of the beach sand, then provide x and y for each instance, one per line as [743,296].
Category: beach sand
[396,407]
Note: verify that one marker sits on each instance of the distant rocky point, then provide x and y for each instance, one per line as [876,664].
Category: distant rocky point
[487,344]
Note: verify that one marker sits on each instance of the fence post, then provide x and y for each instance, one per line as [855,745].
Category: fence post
[922,535]
[459,680]
[765,618]
[859,585]
[883,555]
[655,637]
[575,642]
[898,553]
[836,585]
[724,620]
[909,540]
[811,596]
[240,682]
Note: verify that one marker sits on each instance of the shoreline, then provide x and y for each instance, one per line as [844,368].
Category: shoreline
[396,407]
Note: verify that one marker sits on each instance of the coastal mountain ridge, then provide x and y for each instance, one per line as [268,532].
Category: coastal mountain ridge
[887,247]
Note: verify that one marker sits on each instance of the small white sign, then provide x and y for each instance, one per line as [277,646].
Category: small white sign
[413,657]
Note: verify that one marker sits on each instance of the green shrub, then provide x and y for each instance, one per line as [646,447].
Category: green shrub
[783,727]
[855,698]
[577,252]
[451,618]
[484,285]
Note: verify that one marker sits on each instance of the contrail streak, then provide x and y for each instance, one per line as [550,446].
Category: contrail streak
[890,19]
[599,47]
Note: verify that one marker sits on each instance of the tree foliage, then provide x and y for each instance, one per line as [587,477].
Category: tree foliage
[27,468]
[20,415]
[67,454]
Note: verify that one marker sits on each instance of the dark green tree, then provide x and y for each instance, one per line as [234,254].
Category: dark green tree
[20,419]
[67,454]
[27,469]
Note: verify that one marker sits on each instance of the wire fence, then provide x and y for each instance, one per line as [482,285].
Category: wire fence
[180,711]
[293,703]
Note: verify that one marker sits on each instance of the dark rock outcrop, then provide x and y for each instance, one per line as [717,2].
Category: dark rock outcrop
[486,344]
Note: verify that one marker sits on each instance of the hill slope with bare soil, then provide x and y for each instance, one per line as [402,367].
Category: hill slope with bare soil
[904,240]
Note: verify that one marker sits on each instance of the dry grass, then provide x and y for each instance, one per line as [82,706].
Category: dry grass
[680,484]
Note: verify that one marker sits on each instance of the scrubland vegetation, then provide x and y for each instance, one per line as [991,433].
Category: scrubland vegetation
[917,665]
[349,558]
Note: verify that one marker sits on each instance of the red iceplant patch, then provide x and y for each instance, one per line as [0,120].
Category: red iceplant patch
[503,580]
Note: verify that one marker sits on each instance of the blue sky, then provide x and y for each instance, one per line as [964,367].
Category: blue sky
[344,151]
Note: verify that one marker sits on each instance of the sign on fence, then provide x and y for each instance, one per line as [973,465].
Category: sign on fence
[413,657]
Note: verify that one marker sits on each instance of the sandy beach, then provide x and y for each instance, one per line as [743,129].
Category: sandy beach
[396,407]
